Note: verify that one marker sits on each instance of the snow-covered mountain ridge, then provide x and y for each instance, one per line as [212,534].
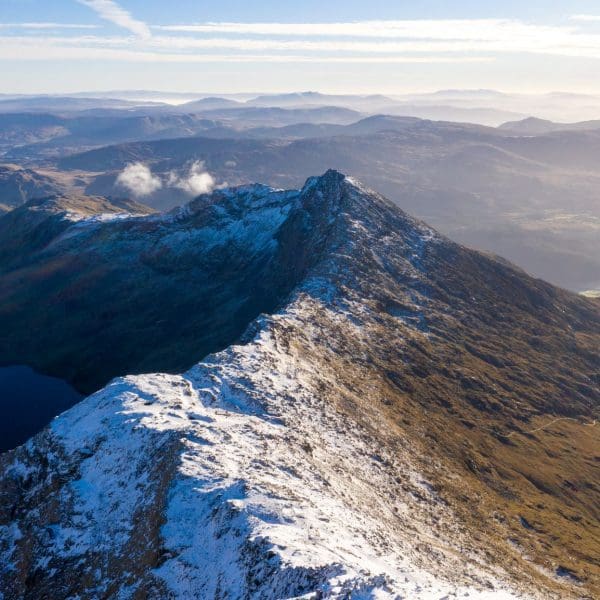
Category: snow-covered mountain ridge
[362,441]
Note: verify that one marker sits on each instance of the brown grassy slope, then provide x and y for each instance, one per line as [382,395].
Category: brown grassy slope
[483,462]
[490,375]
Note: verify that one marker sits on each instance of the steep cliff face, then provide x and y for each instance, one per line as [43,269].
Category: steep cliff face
[413,419]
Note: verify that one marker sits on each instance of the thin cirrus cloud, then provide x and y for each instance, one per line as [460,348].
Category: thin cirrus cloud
[36,49]
[448,29]
[424,40]
[475,36]
[47,26]
[111,11]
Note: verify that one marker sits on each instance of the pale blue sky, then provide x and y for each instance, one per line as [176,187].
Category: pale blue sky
[335,46]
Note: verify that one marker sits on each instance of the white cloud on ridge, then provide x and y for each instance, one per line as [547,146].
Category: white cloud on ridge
[111,11]
[138,179]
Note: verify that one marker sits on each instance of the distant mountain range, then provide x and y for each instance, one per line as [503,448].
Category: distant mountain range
[378,411]
[534,126]
[26,136]
[488,107]
[62,104]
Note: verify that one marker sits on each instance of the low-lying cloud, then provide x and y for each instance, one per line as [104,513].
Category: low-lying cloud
[198,180]
[138,179]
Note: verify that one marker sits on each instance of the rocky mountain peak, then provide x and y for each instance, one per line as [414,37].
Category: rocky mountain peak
[337,402]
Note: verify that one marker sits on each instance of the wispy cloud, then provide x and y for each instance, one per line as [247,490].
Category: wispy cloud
[13,48]
[434,29]
[414,41]
[47,26]
[478,37]
[111,11]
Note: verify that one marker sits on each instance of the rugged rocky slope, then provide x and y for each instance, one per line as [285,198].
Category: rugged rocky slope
[413,419]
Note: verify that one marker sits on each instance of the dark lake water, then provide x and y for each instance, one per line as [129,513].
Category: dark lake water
[28,402]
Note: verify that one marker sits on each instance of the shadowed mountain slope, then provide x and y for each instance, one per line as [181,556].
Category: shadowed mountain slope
[32,226]
[414,418]
[123,295]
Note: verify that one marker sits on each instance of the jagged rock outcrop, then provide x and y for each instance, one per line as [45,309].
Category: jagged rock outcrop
[413,419]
